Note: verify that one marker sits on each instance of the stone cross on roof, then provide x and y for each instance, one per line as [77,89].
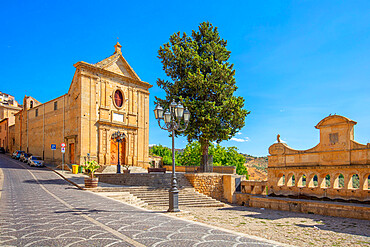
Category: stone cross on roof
[118,48]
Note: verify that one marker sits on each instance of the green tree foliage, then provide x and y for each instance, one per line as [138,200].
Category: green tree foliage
[203,79]
[165,153]
[191,154]
[341,181]
[221,157]
[355,181]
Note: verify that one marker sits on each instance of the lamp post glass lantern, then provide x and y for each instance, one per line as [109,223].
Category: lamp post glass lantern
[118,137]
[175,119]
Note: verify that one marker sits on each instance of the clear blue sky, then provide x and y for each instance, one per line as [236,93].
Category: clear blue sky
[296,62]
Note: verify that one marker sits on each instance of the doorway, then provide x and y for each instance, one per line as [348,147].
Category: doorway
[114,152]
[71,153]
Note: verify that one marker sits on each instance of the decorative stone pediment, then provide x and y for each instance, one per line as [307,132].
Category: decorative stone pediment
[336,147]
[121,67]
[334,120]
[118,64]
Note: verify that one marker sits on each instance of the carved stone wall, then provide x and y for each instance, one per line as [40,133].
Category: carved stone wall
[337,168]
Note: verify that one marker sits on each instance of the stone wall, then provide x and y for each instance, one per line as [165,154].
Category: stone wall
[142,179]
[209,184]
[216,169]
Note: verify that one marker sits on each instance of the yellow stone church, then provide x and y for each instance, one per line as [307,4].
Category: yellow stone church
[103,98]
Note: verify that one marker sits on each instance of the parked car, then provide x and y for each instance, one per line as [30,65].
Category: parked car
[35,161]
[24,157]
[14,154]
[18,155]
[2,150]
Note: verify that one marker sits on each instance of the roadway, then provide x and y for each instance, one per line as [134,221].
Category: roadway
[39,208]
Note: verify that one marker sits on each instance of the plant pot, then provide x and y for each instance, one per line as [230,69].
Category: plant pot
[126,171]
[91,182]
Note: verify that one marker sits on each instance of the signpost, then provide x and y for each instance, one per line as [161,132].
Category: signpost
[53,147]
[63,150]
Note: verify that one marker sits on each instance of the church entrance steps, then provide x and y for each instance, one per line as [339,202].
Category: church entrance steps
[154,196]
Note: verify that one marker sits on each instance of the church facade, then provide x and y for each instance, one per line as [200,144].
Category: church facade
[103,98]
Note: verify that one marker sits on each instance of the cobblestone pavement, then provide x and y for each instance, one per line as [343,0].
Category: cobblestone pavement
[38,208]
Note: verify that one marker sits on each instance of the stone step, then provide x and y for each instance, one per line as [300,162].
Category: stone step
[182,197]
[158,195]
[165,195]
[134,188]
[184,202]
[163,204]
[164,192]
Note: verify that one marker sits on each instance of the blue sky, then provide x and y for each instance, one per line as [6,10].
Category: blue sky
[296,62]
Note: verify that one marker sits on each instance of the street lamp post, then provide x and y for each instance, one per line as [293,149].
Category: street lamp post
[172,118]
[118,137]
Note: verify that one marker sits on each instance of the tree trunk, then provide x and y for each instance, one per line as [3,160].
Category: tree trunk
[204,159]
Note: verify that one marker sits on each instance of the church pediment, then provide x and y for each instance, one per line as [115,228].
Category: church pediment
[118,64]
[121,67]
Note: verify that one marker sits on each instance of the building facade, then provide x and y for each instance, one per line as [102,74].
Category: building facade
[8,108]
[336,168]
[103,98]
[4,133]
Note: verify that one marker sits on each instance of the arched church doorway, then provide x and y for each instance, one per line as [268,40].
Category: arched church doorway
[114,152]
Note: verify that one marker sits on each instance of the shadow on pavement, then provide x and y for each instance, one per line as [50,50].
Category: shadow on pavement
[46,181]
[81,210]
[328,223]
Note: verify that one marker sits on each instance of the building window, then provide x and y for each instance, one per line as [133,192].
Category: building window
[55,105]
[31,104]
[118,98]
[36,112]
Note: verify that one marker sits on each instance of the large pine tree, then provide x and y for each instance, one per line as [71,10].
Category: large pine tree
[203,79]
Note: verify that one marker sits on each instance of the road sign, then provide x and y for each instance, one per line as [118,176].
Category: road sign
[63,150]
[53,146]
[63,145]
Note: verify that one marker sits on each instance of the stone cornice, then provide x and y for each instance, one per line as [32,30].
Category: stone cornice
[94,68]
[11,107]
[116,124]
[318,167]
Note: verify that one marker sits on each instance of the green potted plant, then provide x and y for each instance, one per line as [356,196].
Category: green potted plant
[90,167]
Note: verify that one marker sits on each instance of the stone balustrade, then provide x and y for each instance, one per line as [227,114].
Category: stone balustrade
[348,183]
[254,187]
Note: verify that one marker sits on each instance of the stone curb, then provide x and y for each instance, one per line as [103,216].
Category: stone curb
[1,181]
[51,169]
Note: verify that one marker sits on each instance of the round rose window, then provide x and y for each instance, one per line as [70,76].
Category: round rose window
[118,98]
